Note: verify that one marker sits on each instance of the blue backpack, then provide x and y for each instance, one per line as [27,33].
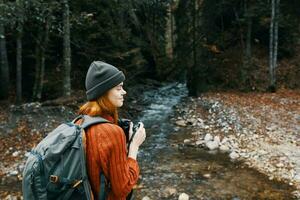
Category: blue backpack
[56,167]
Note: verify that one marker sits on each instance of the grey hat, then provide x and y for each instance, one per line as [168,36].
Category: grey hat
[100,78]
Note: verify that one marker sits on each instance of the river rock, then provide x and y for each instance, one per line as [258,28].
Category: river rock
[217,139]
[224,140]
[192,121]
[183,196]
[195,133]
[186,141]
[212,145]
[207,175]
[199,142]
[169,191]
[280,165]
[146,198]
[208,137]
[297,177]
[224,148]
[233,155]
[15,154]
[21,167]
[200,120]
[206,127]
[27,154]
[10,197]
[181,123]
[13,173]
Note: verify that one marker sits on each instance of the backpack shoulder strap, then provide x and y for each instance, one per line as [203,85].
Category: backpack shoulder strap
[89,121]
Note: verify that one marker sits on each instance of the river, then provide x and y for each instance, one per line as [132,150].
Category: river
[169,168]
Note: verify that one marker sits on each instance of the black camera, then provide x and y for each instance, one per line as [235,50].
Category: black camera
[125,125]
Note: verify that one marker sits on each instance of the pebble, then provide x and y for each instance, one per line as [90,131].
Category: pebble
[196,133]
[199,142]
[10,197]
[200,120]
[181,123]
[217,139]
[192,121]
[183,196]
[208,137]
[224,148]
[13,173]
[176,129]
[169,191]
[212,145]
[207,175]
[146,198]
[15,154]
[297,177]
[186,141]
[279,165]
[233,155]
[224,140]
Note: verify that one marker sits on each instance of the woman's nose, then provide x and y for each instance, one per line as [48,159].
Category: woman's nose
[124,92]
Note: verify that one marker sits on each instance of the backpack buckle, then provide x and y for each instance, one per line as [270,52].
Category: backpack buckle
[77,183]
[54,179]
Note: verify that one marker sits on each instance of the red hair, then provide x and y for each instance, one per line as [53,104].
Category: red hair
[101,107]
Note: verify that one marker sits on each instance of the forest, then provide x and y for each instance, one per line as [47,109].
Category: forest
[245,45]
[215,82]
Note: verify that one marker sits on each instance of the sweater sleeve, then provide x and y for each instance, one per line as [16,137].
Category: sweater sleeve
[123,172]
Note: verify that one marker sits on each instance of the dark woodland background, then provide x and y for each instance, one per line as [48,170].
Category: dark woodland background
[243,45]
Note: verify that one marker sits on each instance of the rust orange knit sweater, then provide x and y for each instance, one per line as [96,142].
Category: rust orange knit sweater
[106,152]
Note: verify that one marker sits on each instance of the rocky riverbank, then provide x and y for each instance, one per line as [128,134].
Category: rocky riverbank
[262,130]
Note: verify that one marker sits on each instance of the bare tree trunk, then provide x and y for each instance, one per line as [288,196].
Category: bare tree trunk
[43,59]
[168,33]
[37,65]
[247,52]
[133,16]
[172,27]
[194,34]
[19,56]
[248,39]
[5,82]
[19,68]
[276,39]
[192,83]
[273,44]
[242,68]
[67,50]
[40,51]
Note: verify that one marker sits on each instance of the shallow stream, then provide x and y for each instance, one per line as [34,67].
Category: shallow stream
[169,168]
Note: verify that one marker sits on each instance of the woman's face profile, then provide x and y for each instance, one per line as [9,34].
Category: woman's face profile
[116,95]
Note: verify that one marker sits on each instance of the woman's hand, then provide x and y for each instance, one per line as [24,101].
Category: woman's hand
[139,136]
[137,140]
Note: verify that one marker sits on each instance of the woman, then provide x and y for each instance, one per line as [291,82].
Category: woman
[105,143]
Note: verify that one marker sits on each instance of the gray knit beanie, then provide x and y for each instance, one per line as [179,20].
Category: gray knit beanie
[100,78]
